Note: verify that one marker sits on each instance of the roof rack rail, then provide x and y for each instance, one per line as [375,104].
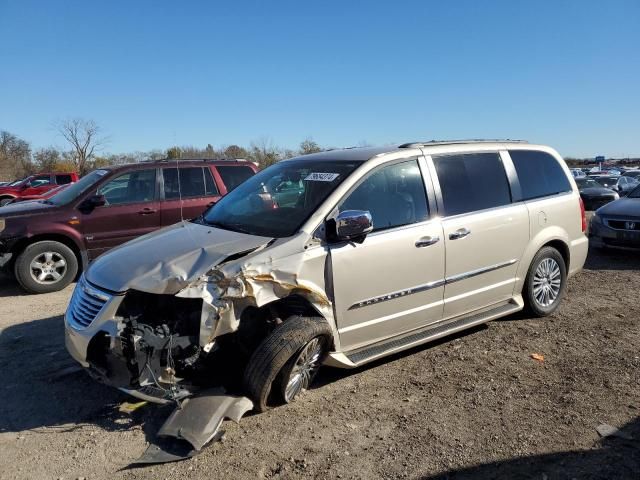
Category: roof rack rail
[456,142]
[167,160]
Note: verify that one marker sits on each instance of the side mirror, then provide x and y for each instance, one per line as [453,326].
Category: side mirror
[94,201]
[353,224]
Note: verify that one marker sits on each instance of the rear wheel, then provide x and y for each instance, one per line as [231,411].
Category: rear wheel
[546,281]
[286,362]
[46,266]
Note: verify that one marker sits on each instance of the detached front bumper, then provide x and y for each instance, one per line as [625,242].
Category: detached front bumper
[605,232]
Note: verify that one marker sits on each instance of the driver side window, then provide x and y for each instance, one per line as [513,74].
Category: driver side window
[394,195]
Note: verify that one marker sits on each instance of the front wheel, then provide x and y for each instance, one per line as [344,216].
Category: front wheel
[546,282]
[45,267]
[286,362]
[5,201]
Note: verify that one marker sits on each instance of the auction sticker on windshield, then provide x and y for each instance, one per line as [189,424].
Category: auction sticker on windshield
[322,177]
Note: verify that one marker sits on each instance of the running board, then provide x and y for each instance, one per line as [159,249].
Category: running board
[428,334]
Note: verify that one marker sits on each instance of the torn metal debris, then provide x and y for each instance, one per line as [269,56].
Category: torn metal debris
[193,424]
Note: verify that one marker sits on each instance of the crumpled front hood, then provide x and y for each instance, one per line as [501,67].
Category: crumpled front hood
[167,260]
[625,207]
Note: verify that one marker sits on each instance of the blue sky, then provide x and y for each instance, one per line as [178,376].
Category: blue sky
[154,73]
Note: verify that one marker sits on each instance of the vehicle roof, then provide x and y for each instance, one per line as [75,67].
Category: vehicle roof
[363,154]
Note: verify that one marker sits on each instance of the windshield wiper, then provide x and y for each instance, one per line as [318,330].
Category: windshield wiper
[234,227]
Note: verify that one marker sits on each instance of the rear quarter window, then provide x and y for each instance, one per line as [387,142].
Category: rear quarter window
[232,176]
[63,179]
[539,173]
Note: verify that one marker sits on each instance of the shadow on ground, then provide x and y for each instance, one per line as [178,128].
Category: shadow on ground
[43,386]
[9,286]
[612,259]
[611,458]
[328,375]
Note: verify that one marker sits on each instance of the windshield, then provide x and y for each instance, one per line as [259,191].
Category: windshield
[72,191]
[278,200]
[606,181]
[16,182]
[587,183]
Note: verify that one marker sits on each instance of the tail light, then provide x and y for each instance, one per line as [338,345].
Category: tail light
[583,215]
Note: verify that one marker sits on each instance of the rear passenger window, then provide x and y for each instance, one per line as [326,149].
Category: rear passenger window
[234,176]
[394,196]
[472,181]
[539,174]
[194,182]
[63,179]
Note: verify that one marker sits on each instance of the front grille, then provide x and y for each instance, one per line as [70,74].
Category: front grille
[624,224]
[86,303]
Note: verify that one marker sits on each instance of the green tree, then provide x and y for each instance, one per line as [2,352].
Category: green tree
[264,153]
[174,153]
[235,151]
[308,146]
[47,159]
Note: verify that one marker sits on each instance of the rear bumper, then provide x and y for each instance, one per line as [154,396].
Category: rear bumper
[578,254]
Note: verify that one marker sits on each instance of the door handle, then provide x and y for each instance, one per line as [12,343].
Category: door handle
[426,241]
[460,233]
[147,211]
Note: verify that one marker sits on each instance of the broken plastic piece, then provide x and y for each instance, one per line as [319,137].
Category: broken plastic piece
[165,451]
[538,356]
[128,407]
[198,419]
[605,430]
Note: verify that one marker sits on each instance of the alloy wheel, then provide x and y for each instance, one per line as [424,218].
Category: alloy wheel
[48,267]
[305,367]
[547,282]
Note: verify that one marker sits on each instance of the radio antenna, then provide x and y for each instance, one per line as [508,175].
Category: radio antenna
[178,154]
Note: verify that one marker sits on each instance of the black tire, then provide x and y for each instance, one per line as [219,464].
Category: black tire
[533,305]
[23,271]
[262,376]
[4,201]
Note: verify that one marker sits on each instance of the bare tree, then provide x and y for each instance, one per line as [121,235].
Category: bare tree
[85,138]
[15,157]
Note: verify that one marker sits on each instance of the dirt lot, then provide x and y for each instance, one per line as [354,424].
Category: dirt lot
[475,406]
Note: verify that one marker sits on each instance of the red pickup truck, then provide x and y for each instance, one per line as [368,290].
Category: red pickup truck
[48,242]
[35,185]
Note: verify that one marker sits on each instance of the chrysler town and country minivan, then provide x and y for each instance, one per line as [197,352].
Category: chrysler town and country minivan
[335,258]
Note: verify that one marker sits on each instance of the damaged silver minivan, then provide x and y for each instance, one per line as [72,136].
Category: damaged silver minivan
[335,258]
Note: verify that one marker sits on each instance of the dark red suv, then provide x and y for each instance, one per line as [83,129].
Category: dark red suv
[47,242]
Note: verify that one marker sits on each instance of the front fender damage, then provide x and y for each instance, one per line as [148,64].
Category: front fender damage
[226,291]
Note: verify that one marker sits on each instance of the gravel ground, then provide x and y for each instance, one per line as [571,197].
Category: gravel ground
[474,406]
